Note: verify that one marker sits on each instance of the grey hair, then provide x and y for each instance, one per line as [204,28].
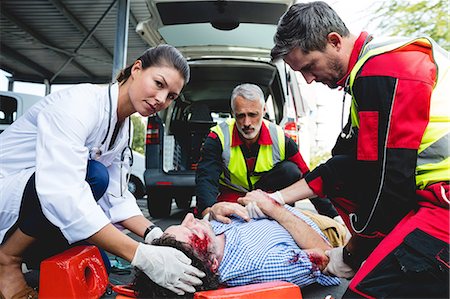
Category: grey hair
[249,92]
[306,26]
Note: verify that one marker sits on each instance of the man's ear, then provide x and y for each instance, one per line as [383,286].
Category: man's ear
[335,40]
[214,265]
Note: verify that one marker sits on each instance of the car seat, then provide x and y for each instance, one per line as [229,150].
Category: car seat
[199,124]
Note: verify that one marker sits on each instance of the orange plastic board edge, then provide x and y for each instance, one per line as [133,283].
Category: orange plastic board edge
[267,290]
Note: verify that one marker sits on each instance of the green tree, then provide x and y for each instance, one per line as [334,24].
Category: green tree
[413,18]
[138,134]
[318,157]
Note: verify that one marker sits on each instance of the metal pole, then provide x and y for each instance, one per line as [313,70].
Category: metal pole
[10,83]
[86,38]
[48,87]
[121,43]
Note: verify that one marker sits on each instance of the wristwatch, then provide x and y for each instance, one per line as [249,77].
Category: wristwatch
[148,230]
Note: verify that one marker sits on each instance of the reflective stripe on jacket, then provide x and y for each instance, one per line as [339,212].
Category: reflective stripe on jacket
[234,171]
[433,161]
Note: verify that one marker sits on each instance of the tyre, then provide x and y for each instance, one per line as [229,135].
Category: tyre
[183,202]
[136,187]
[159,203]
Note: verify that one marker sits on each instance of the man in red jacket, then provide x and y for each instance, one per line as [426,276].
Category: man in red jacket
[389,174]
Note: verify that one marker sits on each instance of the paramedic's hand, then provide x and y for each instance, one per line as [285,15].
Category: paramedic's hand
[336,265]
[155,233]
[221,210]
[260,204]
[254,211]
[168,267]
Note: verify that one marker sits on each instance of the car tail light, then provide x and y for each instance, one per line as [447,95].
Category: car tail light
[291,130]
[152,136]
[164,183]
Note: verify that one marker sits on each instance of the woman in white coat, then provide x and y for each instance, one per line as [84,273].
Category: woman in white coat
[63,168]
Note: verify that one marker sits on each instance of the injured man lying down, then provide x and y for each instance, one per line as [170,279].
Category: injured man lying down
[287,245]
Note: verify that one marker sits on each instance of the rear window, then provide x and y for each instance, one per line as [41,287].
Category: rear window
[246,35]
[8,110]
[249,24]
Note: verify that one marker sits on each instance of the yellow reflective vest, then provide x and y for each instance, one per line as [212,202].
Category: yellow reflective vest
[234,168]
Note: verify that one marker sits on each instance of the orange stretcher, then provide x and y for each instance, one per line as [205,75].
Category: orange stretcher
[266,290]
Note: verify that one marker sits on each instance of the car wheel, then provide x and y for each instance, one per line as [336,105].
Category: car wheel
[136,187]
[159,203]
[183,202]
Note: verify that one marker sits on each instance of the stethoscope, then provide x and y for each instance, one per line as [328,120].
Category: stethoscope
[126,154]
[96,152]
[349,134]
[346,90]
[353,216]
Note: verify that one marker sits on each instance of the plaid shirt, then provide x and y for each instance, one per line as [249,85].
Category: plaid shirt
[262,250]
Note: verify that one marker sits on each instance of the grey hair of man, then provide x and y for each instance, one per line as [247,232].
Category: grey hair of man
[306,26]
[249,92]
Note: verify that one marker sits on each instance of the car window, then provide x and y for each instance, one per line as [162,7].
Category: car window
[220,117]
[270,112]
[246,35]
[247,24]
[8,110]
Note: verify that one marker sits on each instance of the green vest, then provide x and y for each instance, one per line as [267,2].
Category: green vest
[234,169]
[433,162]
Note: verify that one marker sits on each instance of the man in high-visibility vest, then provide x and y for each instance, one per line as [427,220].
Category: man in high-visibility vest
[390,170]
[247,152]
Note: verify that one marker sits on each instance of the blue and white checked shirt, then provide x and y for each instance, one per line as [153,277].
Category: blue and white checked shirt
[263,250]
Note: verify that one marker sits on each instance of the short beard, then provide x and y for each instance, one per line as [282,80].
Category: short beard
[336,67]
[247,136]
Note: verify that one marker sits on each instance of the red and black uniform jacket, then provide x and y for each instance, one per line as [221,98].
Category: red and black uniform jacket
[375,168]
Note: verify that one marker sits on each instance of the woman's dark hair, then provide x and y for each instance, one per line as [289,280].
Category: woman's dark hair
[161,55]
[146,288]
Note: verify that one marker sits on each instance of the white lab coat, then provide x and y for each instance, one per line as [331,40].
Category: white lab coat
[53,139]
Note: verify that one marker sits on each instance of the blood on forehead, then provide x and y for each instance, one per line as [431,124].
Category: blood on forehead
[200,245]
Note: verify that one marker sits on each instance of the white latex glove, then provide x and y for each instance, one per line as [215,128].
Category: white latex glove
[336,265]
[277,197]
[155,233]
[255,212]
[168,267]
